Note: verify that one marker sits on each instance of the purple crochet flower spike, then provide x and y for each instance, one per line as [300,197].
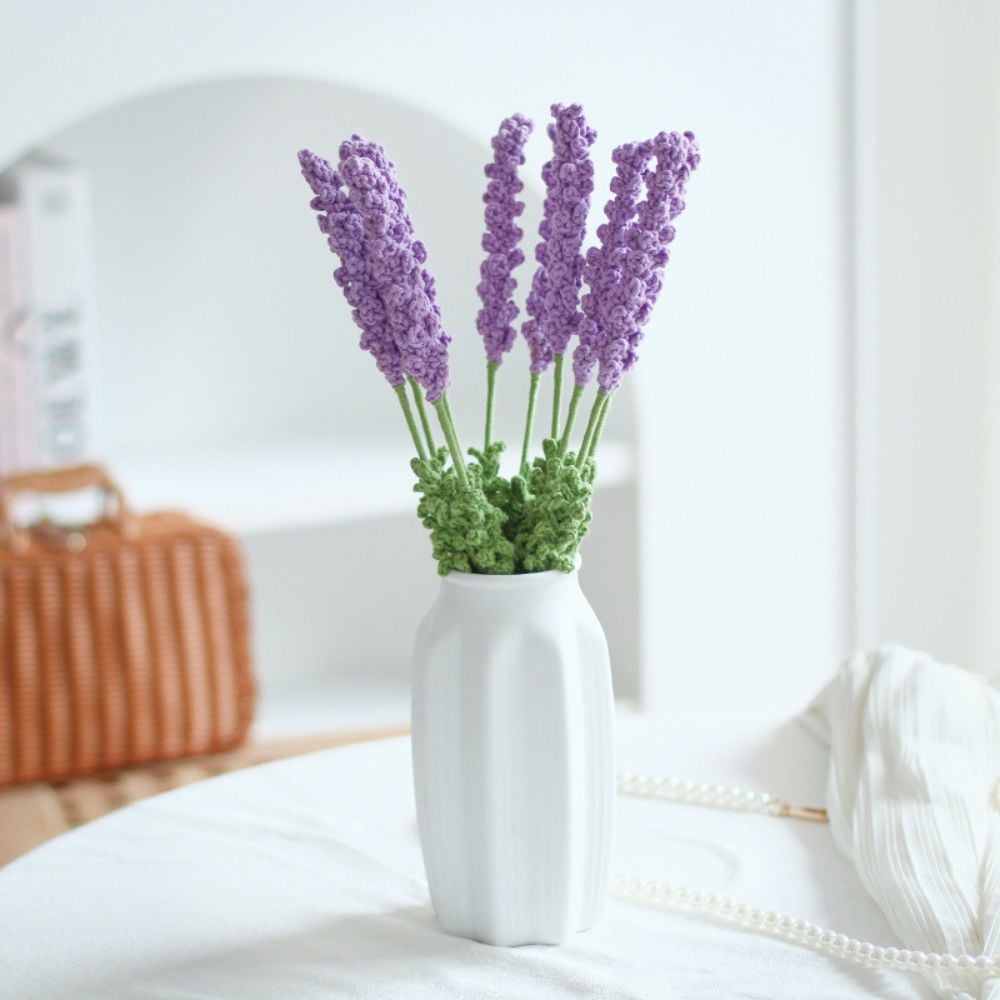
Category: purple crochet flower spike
[624,309]
[345,235]
[413,317]
[359,146]
[602,265]
[677,157]
[533,328]
[555,289]
[500,241]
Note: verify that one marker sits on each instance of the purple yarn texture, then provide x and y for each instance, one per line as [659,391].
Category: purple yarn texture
[677,158]
[413,317]
[629,277]
[533,328]
[553,303]
[374,151]
[363,213]
[602,264]
[342,226]
[495,320]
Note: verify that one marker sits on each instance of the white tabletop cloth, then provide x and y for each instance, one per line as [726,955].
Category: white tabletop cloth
[302,879]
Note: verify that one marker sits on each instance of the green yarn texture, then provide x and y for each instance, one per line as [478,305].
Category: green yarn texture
[557,514]
[487,468]
[500,526]
[466,529]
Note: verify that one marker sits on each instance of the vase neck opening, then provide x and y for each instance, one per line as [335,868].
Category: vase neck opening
[510,582]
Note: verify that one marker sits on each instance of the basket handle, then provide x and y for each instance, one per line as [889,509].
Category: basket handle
[65,480]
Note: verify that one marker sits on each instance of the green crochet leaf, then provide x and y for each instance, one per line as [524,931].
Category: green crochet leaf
[495,525]
[466,529]
[556,513]
[487,466]
[518,500]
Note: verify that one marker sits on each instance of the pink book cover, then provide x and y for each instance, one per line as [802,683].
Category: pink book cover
[18,444]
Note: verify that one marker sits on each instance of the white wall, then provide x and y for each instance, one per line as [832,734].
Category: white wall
[929,418]
[743,385]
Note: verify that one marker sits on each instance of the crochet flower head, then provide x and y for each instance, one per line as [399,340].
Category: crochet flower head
[374,151]
[412,315]
[603,263]
[628,275]
[342,226]
[502,238]
[553,304]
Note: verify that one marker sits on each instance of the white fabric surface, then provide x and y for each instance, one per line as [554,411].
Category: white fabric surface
[302,879]
[912,799]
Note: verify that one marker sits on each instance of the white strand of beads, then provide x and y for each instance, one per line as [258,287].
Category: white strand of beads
[800,932]
[779,925]
[694,793]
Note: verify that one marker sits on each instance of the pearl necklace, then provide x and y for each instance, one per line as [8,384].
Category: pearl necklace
[719,796]
[799,932]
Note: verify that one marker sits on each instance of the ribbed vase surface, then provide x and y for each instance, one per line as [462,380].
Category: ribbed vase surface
[513,757]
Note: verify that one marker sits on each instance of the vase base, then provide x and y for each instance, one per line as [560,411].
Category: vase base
[512,938]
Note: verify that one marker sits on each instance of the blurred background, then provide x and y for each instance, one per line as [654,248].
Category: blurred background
[806,459]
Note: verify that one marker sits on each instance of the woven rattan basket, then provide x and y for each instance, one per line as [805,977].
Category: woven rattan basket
[121,642]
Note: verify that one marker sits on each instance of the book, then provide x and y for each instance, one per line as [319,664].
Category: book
[57,342]
[17,397]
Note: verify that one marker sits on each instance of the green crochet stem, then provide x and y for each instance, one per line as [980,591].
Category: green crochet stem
[588,434]
[599,430]
[491,382]
[448,427]
[400,391]
[529,420]
[574,402]
[418,395]
[556,395]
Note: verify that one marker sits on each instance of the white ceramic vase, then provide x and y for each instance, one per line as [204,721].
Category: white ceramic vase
[513,757]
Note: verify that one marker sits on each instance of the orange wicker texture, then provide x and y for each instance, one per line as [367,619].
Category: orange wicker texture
[122,643]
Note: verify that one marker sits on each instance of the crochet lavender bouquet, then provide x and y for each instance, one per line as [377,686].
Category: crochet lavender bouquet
[479,520]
